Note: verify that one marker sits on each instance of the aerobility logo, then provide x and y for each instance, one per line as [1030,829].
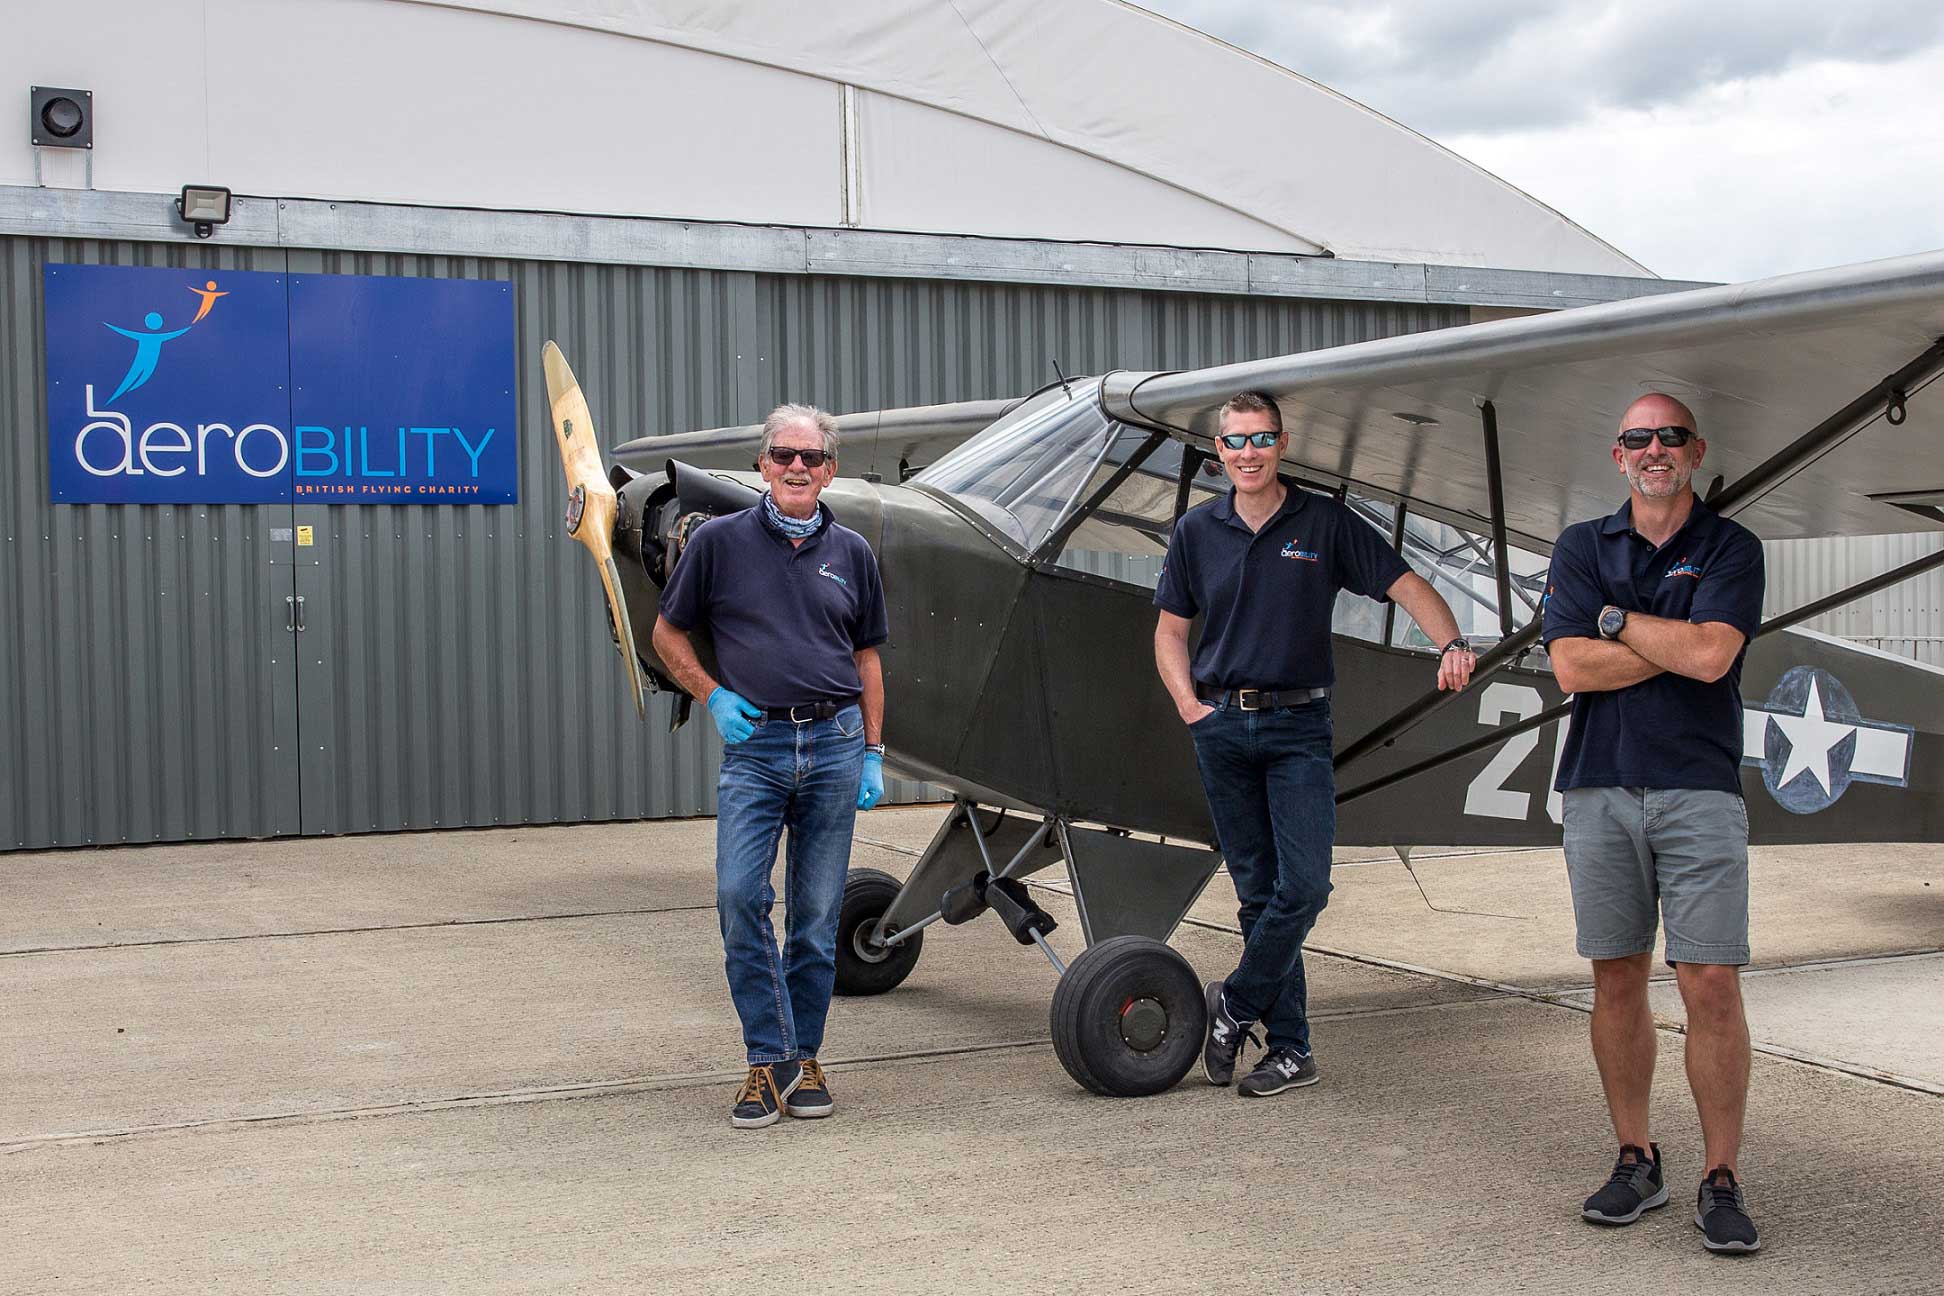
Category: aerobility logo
[1293,550]
[174,386]
[823,569]
[1683,568]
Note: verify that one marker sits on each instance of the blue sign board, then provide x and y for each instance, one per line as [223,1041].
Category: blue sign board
[240,387]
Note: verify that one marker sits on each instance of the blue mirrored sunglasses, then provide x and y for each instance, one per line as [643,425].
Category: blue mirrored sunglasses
[1260,440]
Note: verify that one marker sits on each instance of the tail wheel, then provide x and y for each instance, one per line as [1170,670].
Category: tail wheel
[1128,1017]
[865,967]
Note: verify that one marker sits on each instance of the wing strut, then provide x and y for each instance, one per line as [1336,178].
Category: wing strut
[1889,395]
[1781,621]
[1495,482]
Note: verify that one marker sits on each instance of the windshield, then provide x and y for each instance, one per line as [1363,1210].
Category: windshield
[1022,473]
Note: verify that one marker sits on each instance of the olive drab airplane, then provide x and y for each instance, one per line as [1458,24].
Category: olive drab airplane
[1020,542]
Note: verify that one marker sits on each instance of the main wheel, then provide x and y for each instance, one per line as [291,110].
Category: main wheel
[1128,1017]
[865,967]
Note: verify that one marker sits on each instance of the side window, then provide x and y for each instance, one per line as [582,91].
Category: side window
[1125,535]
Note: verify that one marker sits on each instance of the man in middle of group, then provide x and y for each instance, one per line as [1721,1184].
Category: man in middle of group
[1262,566]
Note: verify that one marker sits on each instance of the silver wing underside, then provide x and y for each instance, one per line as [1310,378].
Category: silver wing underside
[1759,363]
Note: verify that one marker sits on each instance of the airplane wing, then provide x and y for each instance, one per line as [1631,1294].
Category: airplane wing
[1761,364]
[883,442]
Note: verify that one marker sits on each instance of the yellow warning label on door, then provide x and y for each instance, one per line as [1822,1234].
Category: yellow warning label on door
[304,536]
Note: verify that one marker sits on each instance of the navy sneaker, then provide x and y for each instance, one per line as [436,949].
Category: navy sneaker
[1225,1036]
[810,1100]
[1634,1186]
[760,1101]
[1280,1069]
[1722,1215]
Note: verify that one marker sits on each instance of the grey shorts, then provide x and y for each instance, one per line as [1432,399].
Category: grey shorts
[1637,855]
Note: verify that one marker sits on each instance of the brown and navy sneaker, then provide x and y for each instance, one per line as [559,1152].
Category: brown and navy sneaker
[1634,1186]
[1722,1215]
[760,1101]
[810,1100]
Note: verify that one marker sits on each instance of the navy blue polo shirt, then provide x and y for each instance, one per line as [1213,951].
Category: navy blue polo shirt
[1669,731]
[1267,595]
[785,619]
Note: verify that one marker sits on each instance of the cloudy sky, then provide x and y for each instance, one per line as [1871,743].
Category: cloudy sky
[1708,139]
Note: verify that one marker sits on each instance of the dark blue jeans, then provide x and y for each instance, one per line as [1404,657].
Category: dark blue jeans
[1272,793]
[799,779]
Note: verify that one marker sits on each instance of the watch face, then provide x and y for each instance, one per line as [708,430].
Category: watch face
[1611,621]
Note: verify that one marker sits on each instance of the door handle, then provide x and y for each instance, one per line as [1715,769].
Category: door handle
[290,613]
[300,614]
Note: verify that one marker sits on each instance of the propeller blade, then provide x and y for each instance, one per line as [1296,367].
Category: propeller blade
[591,501]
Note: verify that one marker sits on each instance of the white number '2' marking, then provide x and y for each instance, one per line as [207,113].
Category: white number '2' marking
[1487,794]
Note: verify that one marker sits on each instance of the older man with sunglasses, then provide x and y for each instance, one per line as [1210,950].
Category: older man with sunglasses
[795,608]
[1262,568]
[1648,614]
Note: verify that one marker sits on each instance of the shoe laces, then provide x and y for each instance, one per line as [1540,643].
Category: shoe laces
[760,1078]
[1623,1169]
[1722,1191]
[813,1076]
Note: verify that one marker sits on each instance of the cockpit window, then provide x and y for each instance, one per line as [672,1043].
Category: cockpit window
[1022,473]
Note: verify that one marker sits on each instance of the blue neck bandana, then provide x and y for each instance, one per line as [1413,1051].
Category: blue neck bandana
[794,528]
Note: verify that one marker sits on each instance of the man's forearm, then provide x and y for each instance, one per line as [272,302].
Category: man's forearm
[870,673]
[1699,652]
[1171,662]
[678,655]
[1598,665]
[1426,606]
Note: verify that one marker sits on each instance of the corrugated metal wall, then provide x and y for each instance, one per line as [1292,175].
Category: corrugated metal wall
[1906,619]
[456,668]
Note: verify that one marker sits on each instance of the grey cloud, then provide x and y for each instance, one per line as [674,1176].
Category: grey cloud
[1448,68]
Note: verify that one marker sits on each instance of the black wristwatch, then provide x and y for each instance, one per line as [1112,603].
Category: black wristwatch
[1612,621]
[1461,643]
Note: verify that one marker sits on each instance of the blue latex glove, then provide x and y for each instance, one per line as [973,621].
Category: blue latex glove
[733,714]
[871,790]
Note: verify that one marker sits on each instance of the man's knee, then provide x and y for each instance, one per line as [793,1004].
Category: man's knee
[1621,979]
[1710,991]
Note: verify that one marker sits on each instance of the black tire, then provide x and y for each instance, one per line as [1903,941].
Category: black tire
[861,969]
[1128,1018]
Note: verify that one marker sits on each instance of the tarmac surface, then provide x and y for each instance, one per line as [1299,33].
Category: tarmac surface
[502,1061]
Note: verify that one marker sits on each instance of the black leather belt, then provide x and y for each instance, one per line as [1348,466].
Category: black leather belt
[805,712]
[1248,699]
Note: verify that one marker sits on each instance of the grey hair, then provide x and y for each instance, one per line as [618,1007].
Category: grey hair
[784,415]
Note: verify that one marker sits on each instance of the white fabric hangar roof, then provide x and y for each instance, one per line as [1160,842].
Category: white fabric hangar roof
[1046,119]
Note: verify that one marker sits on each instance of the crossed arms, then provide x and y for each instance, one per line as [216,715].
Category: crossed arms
[1647,646]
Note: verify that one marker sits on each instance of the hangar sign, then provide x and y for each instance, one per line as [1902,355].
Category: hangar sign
[241,387]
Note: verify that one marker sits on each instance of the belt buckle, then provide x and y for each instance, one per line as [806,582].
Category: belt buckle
[1242,697]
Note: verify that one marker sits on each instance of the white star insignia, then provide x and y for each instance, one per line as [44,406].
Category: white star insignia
[1811,737]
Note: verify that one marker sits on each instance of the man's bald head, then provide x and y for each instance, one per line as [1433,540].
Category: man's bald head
[1657,409]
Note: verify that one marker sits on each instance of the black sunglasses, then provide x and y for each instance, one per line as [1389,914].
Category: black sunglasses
[784,456]
[1260,440]
[1640,438]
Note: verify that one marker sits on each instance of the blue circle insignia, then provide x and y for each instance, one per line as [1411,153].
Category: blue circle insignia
[1809,741]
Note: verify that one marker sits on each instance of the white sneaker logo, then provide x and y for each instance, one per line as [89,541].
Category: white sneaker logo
[1221,1033]
[1288,1066]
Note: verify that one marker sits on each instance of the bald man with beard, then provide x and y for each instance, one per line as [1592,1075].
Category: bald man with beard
[1648,614]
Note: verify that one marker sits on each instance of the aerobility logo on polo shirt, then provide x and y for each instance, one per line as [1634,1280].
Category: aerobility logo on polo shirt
[240,387]
[1683,568]
[1290,550]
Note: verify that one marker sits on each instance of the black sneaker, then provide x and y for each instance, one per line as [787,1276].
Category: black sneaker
[1280,1069]
[810,1100]
[1722,1215]
[760,1101]
[1635,1186]
[1225,1036]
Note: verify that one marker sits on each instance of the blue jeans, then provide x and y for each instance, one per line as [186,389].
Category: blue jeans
[801,779]
[1272,793]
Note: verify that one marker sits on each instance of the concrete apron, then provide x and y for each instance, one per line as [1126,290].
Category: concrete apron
[347,1065]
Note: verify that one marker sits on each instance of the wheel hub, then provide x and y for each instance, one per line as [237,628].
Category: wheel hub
[1143,1024]
[866,945]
